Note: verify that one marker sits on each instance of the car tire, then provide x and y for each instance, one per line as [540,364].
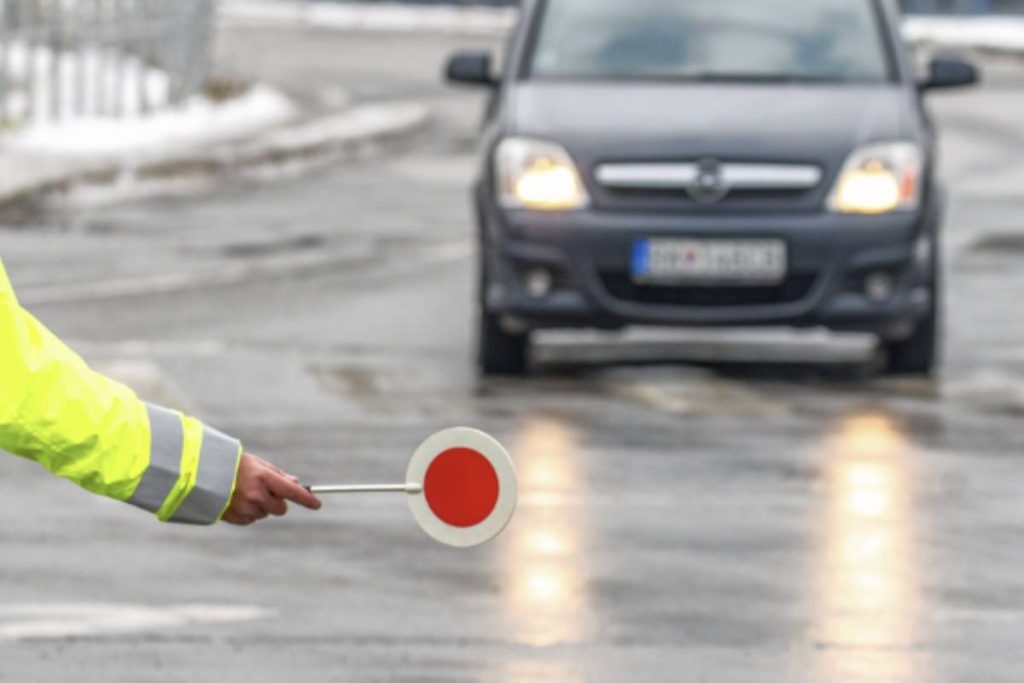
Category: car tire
[918,353]
[499,353]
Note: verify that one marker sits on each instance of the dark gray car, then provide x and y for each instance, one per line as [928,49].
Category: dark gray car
[708,162]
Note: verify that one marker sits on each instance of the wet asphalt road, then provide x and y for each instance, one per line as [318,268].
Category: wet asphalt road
[724,522]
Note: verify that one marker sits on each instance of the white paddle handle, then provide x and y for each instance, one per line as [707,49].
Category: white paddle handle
[368,488]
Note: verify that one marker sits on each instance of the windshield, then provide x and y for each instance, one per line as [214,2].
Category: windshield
[826,40]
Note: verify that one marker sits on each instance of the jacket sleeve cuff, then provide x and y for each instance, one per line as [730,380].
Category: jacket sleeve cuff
[215,480]
[192,469]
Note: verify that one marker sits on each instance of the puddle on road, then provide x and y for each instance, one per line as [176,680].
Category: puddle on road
[1006,243]
[867,622]
[253,248]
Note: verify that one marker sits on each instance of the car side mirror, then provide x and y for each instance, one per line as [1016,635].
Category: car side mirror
[473,68]
[947,71]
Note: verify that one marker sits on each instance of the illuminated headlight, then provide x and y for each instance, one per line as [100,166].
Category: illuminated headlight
[878,179]
[532,174]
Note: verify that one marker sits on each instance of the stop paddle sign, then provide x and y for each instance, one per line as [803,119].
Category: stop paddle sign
[461,487]
[469,487]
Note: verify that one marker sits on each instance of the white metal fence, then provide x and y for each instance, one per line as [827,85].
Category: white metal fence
[61,59]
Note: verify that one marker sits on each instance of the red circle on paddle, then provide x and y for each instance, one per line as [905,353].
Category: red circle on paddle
[461,487]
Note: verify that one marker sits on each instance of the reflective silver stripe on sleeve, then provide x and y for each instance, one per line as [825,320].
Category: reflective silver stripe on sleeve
[214,479]
[166,438]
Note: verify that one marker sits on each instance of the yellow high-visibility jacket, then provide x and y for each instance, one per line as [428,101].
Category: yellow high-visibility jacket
[94,431]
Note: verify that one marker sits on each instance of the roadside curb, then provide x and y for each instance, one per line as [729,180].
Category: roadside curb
[351,132]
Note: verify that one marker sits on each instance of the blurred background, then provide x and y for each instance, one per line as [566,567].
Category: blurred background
[259,212]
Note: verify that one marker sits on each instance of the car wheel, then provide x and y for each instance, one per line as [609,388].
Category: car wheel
[499,353]
[918,353]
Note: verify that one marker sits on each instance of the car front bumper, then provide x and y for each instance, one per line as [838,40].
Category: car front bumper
[587,254]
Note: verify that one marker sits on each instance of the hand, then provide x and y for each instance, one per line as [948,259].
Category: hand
[262,489]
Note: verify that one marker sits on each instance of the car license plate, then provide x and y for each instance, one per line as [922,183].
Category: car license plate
[709,261]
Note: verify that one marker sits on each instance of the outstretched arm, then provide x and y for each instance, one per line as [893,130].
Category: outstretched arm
[92,430]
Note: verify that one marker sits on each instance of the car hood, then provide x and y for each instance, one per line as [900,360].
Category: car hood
[790,122]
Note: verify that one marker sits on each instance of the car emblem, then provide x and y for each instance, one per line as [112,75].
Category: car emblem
[709,186]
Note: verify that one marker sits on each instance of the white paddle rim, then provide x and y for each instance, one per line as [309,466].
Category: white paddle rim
[508,488]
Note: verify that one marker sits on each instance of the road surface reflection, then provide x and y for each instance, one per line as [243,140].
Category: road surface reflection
[867,619]
[545,599]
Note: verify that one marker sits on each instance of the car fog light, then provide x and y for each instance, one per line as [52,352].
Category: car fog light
[878,286]
[538,282]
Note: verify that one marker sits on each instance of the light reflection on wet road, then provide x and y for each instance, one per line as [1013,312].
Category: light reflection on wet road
[543,576]
[867,597]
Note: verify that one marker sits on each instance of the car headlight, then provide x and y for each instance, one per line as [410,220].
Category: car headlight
[879,178]
[533,174]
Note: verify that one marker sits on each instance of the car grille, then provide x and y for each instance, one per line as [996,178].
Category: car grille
[676,186]
[621,286]
[674,200]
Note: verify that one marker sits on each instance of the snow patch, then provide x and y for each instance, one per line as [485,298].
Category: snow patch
[1000,33]
[196,122]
